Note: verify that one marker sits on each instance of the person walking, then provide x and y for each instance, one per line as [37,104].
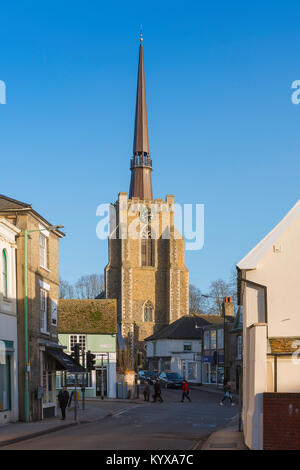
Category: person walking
[228,394]
[157,392]
[63,398]
[185,391]
[146,390]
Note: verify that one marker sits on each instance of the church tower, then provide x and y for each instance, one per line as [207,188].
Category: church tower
[146,269]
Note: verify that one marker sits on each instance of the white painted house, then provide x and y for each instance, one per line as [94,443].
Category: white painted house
[269,290]
[9,410]
[178,348]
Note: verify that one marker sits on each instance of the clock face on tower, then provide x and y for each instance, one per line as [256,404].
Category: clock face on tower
[145,215]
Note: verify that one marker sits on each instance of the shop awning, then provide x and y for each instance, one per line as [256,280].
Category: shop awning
[64,362]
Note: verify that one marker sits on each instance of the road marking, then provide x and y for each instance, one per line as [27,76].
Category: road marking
[124,410]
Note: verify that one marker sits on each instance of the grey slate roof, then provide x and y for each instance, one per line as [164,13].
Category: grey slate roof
[187,327]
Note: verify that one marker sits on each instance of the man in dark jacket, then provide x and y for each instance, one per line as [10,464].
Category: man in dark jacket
[63,398]
[157,392]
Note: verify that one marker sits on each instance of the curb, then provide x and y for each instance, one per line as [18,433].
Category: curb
[25,437]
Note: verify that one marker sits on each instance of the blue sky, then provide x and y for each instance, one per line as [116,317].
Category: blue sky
[223,130]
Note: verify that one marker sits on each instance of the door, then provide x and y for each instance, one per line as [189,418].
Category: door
[206,373]
[99,381]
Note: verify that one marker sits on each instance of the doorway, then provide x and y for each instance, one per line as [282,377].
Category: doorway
[99,381]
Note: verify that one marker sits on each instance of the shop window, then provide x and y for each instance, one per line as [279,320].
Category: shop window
[5,380]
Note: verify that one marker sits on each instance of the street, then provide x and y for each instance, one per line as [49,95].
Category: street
[170,425]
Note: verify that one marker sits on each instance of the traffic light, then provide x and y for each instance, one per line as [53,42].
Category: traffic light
[90,361]
[75,352]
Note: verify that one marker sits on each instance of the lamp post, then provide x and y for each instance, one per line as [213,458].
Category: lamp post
[27,365]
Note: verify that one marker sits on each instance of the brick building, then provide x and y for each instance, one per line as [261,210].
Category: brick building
[42,279]
[146,269]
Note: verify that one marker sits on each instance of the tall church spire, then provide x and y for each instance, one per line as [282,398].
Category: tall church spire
[141,164]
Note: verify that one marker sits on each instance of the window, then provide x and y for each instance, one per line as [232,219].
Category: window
[54,313]
[4,273]
[192,370]
[43,309]
[5,379]
[147,249]
[43,251]
[213,339]
[187,346]
[206,339]
[220,339]
[148,311]
[239,347]
[80,339]
[154,348]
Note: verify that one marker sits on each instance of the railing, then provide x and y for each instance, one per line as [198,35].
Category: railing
[141,160]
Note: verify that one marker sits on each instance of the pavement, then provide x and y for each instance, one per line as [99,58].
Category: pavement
[96,410]
[196,428]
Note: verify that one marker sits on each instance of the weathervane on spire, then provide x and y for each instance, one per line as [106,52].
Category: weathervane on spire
[141,34]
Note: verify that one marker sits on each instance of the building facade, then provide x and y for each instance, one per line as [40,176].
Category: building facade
[42,294]
[9,406]
[93,325]
[268,279]
[146,269]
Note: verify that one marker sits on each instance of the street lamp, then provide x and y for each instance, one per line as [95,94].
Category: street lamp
[52,228]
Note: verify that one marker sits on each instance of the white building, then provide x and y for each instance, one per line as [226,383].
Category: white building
[178,348]
[269,280]
[9,410]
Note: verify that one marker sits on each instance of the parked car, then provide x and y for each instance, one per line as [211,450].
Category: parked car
[171,379]
[150,376]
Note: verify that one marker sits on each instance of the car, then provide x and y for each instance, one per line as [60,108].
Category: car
[171,379]
[150,376]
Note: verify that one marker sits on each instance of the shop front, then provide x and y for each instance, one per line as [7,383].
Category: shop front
[8,382]
[213,368]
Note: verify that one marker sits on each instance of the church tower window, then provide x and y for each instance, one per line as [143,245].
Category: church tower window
[148,311]
[147,249]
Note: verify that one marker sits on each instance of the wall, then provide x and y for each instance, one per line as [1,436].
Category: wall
[281,421]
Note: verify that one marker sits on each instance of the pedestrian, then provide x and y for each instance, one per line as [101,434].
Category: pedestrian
[157,392]
[146,390]
[63,398]
[228,394]
[185,391]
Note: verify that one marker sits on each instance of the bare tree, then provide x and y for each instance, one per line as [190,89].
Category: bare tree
[217,291]
[90,286]
[66,290]
[197,302]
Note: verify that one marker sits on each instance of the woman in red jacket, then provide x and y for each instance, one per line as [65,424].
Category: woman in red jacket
[185,391]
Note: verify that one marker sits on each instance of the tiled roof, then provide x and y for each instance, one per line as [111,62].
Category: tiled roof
[7,203]
[282,345]
[187,327]
[87,316]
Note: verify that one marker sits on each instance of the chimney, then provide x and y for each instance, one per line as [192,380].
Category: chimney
[228,307]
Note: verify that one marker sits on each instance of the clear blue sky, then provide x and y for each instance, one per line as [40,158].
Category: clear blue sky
[222,128]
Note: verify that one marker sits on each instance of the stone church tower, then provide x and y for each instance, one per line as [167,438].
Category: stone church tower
[146,270]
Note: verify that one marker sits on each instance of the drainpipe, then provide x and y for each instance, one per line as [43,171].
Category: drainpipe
[26,404]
